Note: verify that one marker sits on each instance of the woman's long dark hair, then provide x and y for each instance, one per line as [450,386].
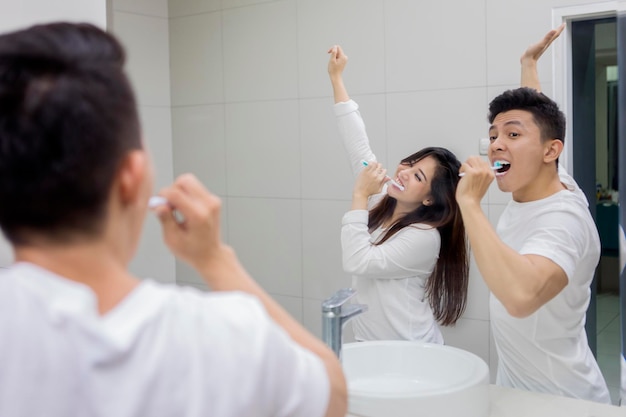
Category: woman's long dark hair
[446,287]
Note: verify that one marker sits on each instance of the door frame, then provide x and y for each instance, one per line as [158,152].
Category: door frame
[562,61]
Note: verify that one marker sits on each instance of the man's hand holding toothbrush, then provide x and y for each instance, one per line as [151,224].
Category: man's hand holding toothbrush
[477,177]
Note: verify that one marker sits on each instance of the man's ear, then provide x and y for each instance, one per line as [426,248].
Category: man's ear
[131,175]
[553,150]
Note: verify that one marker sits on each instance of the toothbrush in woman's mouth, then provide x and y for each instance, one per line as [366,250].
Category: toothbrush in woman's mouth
[497,166]
[389,179]
[395,183]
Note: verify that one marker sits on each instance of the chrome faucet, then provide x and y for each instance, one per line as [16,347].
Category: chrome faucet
[335,315]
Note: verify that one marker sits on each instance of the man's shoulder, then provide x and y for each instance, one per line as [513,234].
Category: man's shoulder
[185,297]
[564,208]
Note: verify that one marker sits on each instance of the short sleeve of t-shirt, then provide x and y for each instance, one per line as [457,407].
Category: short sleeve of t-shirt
[282,378]
[226,353]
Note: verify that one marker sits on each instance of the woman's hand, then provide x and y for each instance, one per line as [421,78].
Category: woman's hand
[336,65]
[337,62]
[370,181]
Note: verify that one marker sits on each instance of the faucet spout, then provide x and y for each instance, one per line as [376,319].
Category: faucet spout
[335,315]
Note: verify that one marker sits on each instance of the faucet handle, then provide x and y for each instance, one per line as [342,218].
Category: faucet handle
[338,299]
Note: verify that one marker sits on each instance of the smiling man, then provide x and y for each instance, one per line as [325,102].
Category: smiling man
[540,261]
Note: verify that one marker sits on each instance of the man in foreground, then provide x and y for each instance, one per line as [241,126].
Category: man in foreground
[81,336]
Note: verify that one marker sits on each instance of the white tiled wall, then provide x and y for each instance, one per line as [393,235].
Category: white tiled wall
[196,59]
[452,118]
[321,249]
[194,124]
[146,41]
[18,15]
[252,117]
[263,149]
[143,28]
[358,26]
[152,8]
[180,8]
[434,44]
[260,52]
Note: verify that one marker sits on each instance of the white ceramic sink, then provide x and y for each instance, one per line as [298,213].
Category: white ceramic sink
[402,379]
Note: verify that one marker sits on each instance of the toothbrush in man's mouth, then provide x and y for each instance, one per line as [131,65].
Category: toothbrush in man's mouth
[496,167]
[389,179]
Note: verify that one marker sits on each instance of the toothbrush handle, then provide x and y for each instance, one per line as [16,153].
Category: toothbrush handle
[462,174]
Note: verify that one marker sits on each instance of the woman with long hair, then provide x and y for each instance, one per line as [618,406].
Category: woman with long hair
[403,240]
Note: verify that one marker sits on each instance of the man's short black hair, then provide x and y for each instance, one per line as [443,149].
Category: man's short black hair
[68,116]
[545,111]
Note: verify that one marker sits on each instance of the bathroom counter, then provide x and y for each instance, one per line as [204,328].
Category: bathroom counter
[509,402]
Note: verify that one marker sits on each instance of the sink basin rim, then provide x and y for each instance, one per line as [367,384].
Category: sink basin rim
[477,376]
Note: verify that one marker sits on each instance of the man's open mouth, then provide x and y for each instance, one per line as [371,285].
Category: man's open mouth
[503,166]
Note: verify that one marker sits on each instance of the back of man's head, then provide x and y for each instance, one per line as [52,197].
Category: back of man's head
[67,118]
[546,113]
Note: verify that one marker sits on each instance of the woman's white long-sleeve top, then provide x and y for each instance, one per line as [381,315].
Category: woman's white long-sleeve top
[390,278]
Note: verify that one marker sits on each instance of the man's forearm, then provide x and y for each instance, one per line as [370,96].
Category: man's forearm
[530,76]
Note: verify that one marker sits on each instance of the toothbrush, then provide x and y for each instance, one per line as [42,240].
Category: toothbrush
[156,201]
[389,179]
[496,166]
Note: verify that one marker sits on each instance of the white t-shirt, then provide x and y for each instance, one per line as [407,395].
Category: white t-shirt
[163,351]
[548,351]
[389,278]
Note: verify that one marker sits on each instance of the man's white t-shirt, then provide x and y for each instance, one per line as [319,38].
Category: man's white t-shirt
[548,351]
[163,351]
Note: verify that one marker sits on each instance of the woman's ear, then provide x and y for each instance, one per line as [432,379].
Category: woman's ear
[131,176]
[427,202]
[553,150]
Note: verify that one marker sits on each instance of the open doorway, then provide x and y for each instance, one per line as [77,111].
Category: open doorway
[594,126]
